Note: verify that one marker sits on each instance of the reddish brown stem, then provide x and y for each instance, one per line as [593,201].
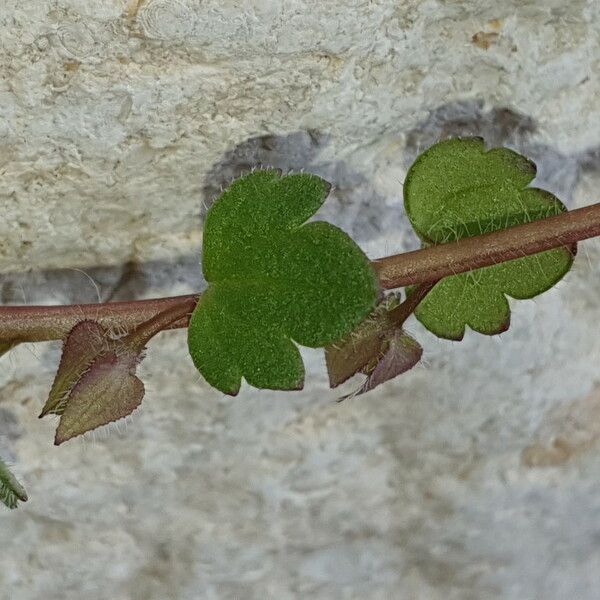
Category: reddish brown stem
[399,314]
[435,262]
[168,318]
[40,323]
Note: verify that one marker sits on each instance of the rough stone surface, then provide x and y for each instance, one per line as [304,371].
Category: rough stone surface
[475,476]
[114,113]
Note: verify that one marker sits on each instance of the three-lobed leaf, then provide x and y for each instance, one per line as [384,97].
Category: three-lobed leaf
[274,281]
[457,189]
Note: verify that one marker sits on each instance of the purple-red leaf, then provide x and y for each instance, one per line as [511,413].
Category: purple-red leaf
[379,348]
[350,355]
[402,354]
[84,343]
[107,392]
[96,383]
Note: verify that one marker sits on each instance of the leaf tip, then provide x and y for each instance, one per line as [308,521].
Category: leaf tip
[233,392]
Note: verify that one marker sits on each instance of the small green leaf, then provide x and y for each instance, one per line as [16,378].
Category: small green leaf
[273,281]
[457,189]
[11,491]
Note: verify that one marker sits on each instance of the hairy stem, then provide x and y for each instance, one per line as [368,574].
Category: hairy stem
[168,318]
[399,314]
[41,323]
[435,262]
[426,266]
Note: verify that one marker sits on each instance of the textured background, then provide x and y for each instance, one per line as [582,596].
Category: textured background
[475,476]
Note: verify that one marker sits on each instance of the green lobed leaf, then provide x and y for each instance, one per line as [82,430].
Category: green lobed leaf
[457,189]
[274,280]
[11,491]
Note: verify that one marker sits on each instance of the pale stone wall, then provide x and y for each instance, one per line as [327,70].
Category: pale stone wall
[112,113]
[475,476]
